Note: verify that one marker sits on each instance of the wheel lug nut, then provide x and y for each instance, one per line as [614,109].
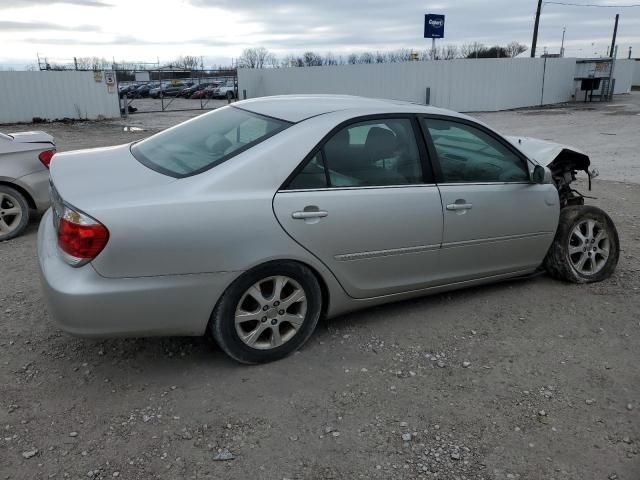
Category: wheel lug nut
[281,312]
[264,319]
[274,321]
[265,308]
[276,303]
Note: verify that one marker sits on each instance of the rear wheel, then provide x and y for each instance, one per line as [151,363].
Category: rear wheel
[14,213]
[230,96]
[586,246]
[267,313]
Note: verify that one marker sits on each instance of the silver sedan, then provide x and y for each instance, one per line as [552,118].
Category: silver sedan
[253,221]
[24,179]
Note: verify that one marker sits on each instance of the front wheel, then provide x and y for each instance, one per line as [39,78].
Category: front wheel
[586,246]
[267,313]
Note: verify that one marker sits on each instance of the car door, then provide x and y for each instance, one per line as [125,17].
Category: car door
[365,204]
[496,221]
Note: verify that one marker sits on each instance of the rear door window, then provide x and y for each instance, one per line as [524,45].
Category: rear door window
[371,153]
[205,141]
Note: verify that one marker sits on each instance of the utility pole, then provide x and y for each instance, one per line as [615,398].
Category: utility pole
[629,57]
[564,29]
[535,30]
[613,40]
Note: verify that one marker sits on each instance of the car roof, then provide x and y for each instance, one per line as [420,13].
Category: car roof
[295,108]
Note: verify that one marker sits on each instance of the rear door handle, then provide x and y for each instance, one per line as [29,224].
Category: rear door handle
[459,206]
[310,214]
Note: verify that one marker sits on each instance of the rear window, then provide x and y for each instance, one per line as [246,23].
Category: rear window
[206,141]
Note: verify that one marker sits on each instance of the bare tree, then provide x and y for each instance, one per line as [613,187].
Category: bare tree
[311,59]
[187,62]
[255,58]
[366,57]
[449,52]
[514,49]
[381,57]
[91,63]
[329,59]
[471,50]
[352,59]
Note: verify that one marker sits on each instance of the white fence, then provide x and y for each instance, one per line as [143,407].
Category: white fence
[623,72]
[52,95]
[464,85]
[636,74]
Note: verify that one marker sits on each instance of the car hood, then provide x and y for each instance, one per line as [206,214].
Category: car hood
[32,137]
[541,151]
[109,176]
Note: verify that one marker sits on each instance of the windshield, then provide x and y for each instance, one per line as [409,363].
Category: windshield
[206,141]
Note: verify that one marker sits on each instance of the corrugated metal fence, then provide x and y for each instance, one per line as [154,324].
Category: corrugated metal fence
[636,73]
[52,95]
[464,85]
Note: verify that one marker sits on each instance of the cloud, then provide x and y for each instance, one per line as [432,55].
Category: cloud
[37,3]
[6,25]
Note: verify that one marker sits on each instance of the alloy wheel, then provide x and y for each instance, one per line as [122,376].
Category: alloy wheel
[588,247]
[270,312]
[10,214]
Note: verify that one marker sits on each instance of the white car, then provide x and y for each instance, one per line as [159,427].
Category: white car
[226,90]
[24,179]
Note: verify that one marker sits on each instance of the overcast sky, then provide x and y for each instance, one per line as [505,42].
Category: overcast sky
[218,30]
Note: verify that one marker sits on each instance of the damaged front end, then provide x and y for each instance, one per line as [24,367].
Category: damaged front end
[563,161]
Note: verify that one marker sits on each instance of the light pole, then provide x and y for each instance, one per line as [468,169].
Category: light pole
[564,29]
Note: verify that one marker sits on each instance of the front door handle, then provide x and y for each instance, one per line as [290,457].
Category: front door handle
[309,214]
[459,206]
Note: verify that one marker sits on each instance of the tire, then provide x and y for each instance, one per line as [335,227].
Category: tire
[14,213]
[260,344]
[586,246]
[230,96]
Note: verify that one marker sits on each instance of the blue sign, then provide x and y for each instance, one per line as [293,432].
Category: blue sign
[433,26]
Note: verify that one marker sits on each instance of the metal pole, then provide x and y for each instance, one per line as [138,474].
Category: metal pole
[534,42]
[433,49]
[564,29]
[613,40]
[612,81]
[629,57]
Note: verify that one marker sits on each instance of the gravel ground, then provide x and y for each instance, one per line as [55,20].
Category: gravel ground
[531,379]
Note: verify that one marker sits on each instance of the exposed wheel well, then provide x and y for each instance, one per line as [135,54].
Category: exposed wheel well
[25,194]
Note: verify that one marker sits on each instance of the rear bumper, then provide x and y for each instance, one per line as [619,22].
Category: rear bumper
[86,304]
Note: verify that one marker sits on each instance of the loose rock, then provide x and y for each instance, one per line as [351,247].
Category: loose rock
[30,453]
[223,456]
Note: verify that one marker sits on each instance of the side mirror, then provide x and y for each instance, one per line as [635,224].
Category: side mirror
[541,175]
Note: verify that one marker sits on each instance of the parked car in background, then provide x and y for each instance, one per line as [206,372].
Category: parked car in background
[225,90]
[127,89]
[168,89]
[187,92]
[24,179]
[143,90]
[254,220]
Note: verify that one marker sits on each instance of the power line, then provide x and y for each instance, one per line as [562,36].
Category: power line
[591,5]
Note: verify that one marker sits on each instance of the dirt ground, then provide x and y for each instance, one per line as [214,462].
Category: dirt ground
[551,389]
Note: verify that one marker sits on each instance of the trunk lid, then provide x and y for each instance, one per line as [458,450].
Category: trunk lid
[103,177]
[32,137]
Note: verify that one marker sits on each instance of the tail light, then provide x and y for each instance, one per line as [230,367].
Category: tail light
[46,156]
[80,237]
